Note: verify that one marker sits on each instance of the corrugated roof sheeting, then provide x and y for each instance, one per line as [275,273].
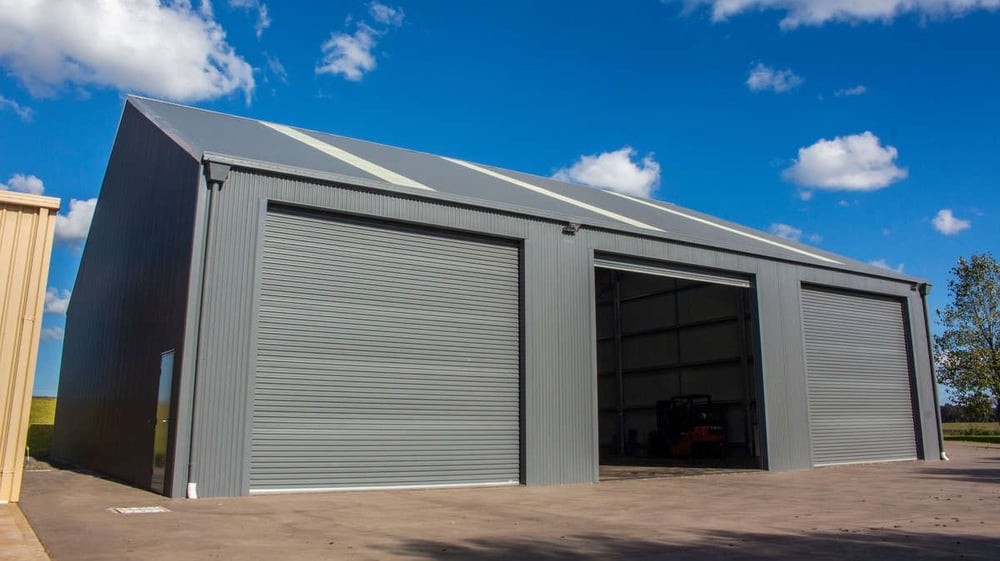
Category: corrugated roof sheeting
[433,176]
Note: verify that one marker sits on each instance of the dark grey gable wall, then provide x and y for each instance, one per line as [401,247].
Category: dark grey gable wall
[129,303]
[559,410]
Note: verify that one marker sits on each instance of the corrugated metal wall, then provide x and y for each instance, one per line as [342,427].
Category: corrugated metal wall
[27,227]
[559,423]
[129,304]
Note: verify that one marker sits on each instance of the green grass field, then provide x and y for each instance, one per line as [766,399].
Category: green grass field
[40,421]
[987,438]
[954,429]
[972,432]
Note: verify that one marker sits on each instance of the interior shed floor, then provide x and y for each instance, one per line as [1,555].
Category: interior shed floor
[894,511]
[617,468]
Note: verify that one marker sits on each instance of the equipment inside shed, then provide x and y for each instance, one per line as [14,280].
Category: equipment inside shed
[677,374]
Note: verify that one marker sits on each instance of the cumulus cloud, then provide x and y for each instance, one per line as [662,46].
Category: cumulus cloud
[763,77]
[56,301]
[847,163]
[166,49]
[860,89]
[74,225]
[885,265]
[386,15]
[52,334]
[25,113]
[263,19]
[349,55]
[24,184]
[948,224]
[615,171]
[818,12]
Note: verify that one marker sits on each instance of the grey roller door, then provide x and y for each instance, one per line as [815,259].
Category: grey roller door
[387,356]
[858,368]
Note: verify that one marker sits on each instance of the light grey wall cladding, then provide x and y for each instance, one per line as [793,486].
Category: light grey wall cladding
[559,346]
[220,442]
[783,364]
[928,415]
[129,304]
[559,426]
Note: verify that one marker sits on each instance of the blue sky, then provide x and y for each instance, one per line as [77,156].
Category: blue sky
[871,129]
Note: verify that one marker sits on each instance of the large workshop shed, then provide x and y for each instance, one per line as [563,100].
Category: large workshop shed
[263,308]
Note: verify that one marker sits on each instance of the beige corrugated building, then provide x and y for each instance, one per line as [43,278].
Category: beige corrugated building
[27,228]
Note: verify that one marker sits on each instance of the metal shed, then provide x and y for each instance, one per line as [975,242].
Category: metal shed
[262,308]
[27,230]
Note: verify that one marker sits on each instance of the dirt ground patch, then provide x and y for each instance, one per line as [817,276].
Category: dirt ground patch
[907,510]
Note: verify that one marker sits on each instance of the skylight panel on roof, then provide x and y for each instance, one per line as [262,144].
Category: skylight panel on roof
[557,196]
[728,229]
[378,171]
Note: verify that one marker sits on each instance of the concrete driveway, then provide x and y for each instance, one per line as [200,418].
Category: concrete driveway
[909,510]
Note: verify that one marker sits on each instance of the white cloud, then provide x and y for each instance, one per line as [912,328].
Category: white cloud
[790,232]
[615,171]
[385,14]
[860,89]
[763,77]
[164,49]
[818,12]
[276,68]
[847,163]
[24,184]
[25,113]
[56,301]
[349,55]
[885,265]
[948,224]
[52,334]
[73,226]
[263,19]
[786,231]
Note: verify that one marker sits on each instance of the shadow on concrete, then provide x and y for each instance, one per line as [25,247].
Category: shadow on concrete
[38,440]
[883,545]
[969,475]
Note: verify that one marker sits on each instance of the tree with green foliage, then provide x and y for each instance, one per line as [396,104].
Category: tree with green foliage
[967,352]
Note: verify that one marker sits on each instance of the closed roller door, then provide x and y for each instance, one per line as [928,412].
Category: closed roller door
[387,356]
[860,397]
